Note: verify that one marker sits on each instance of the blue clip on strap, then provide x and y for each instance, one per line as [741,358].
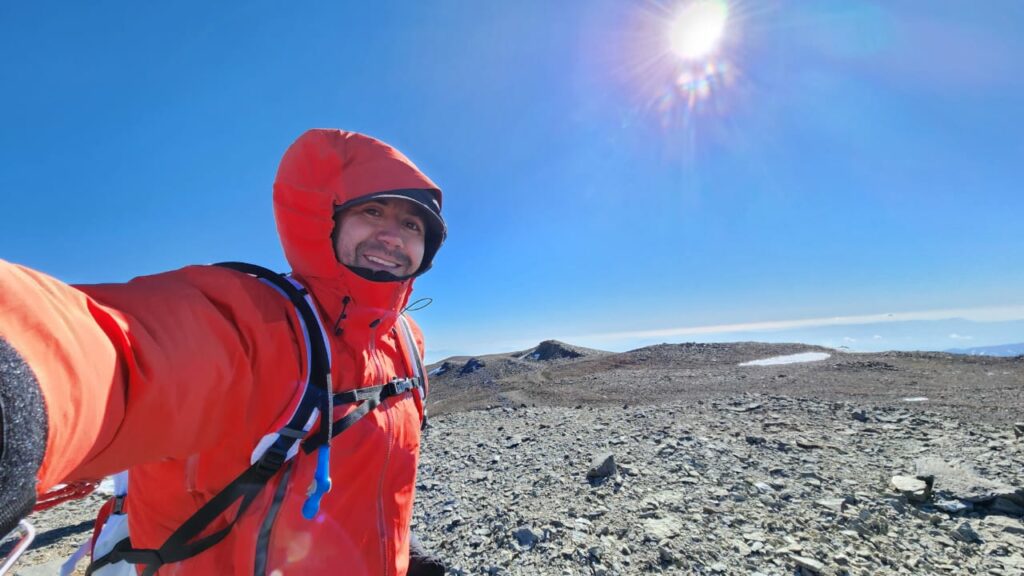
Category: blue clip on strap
[322,481]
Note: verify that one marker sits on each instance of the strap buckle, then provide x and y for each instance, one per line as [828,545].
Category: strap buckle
[396,387]
[271,461]
[119,504]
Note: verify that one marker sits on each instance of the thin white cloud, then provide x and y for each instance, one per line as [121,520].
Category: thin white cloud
[956,336]
[876,337]
[848,339]
[993,314]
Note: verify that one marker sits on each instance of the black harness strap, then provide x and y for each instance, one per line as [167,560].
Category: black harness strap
[419,373]
[371,397]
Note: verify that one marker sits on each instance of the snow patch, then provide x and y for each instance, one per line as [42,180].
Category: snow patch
[789,359]
[916,399]
[438,371]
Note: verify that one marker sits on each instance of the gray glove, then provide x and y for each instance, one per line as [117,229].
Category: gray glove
[422,563]
[23,431]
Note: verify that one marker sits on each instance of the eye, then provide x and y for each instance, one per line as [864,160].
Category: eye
[372,211]
[414,225]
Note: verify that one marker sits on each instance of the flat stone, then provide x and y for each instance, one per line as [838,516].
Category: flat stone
[912,487]
[1002,524]
[953,506]
[834,504]
[808,564]
[658,529]
[965,533]
[1007,506]
[961,482]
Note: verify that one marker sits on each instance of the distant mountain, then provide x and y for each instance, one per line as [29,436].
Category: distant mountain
[1000,350]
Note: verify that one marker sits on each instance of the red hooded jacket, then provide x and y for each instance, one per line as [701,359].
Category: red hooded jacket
[178,376]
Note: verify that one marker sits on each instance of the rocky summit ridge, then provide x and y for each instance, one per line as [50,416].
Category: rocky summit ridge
[679,459]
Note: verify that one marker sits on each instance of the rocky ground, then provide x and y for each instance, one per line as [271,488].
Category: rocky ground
[753,484]
[678,459]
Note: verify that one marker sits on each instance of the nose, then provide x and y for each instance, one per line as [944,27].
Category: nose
[390,233]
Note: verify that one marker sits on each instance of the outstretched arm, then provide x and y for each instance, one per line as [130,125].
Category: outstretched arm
[130,373]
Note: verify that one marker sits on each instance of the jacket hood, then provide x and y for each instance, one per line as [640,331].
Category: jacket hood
[324,169]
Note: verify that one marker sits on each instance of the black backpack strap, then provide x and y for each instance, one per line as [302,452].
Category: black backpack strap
[412,352]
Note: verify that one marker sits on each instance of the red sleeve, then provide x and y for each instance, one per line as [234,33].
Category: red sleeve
[158,367]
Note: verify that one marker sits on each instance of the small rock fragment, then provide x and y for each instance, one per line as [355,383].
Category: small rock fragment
[953,506]
[912,487]
[965,533]
[525,537]
[835,504]
[808,565]
[602,466]
[1006,506]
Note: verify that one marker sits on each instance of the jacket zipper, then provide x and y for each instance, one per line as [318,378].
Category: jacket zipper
[381,527]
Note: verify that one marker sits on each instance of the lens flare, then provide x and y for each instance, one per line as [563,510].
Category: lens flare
[697,29]
[681,63]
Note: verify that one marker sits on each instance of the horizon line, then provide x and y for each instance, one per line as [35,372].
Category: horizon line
[982,314]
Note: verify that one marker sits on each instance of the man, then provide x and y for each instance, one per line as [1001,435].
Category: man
[190,378]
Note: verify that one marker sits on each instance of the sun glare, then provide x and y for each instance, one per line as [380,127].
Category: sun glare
[697,28]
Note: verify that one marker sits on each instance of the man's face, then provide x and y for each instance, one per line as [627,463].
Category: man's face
[386,234]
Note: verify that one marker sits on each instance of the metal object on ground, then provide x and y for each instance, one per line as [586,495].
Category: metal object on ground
[28,534]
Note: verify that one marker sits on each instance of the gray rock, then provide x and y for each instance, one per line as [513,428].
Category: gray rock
[834,504]
[1002,524]
[953,506]
[602,466]
[515,440]
[1018,429]
[667,555]
[961,482]
[1006,505]
[525,537]
[658,529]
[808,565]
[913,488]
[965,533]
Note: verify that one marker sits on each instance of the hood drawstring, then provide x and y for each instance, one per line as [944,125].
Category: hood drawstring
[337,325]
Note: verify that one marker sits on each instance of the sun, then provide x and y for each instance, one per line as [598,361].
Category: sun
[697,29]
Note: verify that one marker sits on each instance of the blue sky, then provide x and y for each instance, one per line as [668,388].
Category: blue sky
[851,159]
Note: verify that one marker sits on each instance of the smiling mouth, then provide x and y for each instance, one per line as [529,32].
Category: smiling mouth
[380,261]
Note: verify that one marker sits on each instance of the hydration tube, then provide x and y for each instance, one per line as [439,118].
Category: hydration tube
[321,483]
